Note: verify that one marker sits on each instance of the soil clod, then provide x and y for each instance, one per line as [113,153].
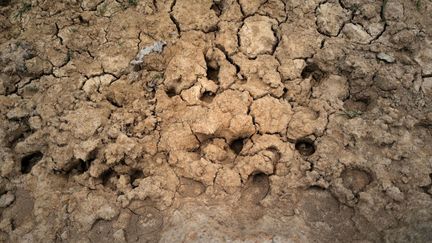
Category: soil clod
[215,120]
[356,179]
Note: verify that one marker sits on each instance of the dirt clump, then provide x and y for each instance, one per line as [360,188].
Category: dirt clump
[223,120]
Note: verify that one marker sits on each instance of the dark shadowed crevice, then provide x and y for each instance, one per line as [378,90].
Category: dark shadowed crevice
[305,146]
[213,70]
[207,96]
[4,3]
[136,175]
[217,7]
[29,161]
[213,74]
[237,145]
[82,166]
[109,178]
[171,92]
[313,70]
[357,104]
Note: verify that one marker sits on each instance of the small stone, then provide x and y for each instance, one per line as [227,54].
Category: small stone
[385,57]
[6,199]
[356,33]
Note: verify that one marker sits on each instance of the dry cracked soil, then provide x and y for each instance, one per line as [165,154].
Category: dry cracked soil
[216,121]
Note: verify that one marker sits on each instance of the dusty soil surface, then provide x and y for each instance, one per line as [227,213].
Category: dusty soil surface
[212,121]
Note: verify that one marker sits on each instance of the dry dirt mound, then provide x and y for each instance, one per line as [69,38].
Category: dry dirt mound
[213,121]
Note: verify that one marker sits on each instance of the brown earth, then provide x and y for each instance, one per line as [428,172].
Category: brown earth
[213,121]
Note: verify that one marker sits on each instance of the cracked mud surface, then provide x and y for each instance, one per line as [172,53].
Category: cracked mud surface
[224,120]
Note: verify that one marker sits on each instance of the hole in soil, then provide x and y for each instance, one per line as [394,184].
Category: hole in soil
[108,179]
[29,161]
[260,178]
[171,92]
[82,20]
[136,174]
[207,96]
[256,188]
[4,2]
[213,73]
[213,28]
[190,188]
[82,166]
[316,188]
[106,175]
[356,179]
[237,145]
[305,146]
[217,7]
[360,104]
[313,70]
[13,224]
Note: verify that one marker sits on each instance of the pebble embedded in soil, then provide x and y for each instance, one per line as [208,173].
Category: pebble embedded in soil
[386,57]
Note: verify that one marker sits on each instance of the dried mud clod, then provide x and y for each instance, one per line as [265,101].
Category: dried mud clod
[356,179]
[215,120]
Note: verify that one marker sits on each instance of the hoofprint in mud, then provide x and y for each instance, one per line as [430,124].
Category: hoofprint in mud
[224,120]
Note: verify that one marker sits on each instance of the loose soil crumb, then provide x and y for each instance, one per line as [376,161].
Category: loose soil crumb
[213,121]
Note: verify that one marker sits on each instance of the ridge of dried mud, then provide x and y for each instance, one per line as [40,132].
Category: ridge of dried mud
[211,121]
